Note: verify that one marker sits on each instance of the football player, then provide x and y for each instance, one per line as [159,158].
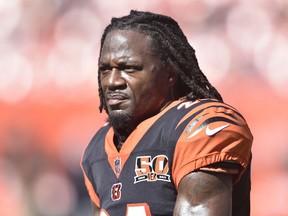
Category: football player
[172,146]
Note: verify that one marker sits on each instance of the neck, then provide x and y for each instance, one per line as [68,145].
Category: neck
[121,134]
[120,138]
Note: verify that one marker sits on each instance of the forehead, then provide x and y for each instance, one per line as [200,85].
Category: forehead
[127,35]
[127,40]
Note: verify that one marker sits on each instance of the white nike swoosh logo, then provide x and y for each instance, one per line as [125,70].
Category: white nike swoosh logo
[211,132]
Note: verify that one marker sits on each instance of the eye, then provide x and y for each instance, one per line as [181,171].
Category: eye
[130,68]
[104,69]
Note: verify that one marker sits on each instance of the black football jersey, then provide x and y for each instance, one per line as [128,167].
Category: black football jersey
[143,177]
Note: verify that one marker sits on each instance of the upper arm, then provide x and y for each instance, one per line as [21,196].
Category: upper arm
[204,193]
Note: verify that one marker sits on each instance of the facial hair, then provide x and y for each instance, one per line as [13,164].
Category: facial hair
[120,121]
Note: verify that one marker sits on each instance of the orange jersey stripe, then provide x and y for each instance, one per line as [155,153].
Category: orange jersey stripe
[217,133]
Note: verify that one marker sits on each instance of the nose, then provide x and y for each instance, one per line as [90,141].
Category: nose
[115,79]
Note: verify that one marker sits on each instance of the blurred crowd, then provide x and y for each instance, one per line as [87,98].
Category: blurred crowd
[49,100]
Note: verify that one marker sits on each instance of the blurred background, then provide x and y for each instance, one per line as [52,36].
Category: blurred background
[49,100]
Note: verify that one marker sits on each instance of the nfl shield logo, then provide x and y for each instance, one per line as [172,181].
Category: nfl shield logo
[117,165]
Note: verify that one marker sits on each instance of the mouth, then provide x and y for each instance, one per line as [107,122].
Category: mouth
[115,99]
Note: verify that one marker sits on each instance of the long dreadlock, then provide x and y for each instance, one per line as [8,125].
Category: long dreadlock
[170,42]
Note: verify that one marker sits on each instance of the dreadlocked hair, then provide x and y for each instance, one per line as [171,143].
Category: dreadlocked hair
[170,42]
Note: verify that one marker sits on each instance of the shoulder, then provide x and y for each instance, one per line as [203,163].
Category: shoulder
[209,111]
[96,141]
[212,121]
[193,116]
[210,132]
[188,108]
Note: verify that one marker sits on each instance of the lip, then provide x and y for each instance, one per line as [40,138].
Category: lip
[114,99]
[114,102]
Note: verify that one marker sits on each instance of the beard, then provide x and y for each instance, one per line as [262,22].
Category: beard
[120,121]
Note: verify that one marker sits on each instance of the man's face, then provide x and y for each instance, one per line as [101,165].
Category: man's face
[134,83]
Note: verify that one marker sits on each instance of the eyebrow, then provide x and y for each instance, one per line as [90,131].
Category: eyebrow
[122,61]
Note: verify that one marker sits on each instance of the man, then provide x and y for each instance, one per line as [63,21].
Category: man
[172,147]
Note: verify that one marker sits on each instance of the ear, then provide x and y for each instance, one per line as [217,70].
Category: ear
[172,76]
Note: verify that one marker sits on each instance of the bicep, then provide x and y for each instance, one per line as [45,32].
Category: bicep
[204,193]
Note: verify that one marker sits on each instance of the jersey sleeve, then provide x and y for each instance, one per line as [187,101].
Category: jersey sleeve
[88,158]
[217,138]
[88,183]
